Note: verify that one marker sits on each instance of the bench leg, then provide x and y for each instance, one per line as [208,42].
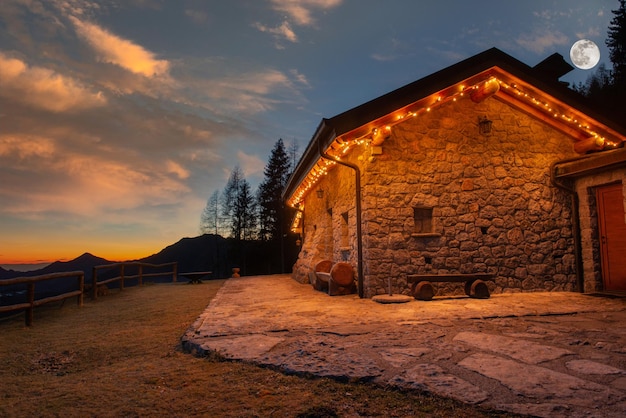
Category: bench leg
[468,287]
[478,290]
[319,284]
[423,291]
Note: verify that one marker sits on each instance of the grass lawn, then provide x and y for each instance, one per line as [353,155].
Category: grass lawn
[119,356]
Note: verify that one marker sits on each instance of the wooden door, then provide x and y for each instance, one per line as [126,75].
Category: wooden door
[612,236]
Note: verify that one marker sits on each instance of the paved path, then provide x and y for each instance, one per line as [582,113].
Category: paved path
[543,354]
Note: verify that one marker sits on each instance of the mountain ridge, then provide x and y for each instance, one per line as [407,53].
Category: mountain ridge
[202,253]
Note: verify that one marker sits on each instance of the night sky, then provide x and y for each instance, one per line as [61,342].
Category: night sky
[118,119]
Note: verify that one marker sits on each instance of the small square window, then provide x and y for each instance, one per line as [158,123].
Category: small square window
[423,217]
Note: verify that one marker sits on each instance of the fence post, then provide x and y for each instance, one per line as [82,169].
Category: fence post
[81,286]
[122,276]
[94,284]
[31,302]
[140,282]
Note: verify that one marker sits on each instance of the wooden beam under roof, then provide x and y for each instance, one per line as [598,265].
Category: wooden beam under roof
[601,161]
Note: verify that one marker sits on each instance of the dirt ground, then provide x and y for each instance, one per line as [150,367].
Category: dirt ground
[119,356]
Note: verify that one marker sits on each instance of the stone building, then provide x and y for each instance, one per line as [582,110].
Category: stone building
[487,166]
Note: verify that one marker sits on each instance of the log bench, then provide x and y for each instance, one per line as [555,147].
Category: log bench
[475,285]
[321,275]
[337,279]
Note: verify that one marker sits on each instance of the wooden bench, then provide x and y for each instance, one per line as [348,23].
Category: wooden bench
[321,275]
[337,279]
[475,285]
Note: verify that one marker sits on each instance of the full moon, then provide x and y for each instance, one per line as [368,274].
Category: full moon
[585,54]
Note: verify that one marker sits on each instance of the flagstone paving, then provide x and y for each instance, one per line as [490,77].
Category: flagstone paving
[557,354]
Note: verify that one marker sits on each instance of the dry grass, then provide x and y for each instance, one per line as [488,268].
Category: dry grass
[119,356]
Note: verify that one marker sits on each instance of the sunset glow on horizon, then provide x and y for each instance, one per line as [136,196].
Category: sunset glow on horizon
[118,120]
[38,253]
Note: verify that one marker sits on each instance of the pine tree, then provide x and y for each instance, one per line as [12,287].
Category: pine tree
[274,215]
[617,46]
[598,83]
[246,212]
[239,206]
[272,210]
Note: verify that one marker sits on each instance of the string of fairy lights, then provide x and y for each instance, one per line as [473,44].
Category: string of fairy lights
[383,126]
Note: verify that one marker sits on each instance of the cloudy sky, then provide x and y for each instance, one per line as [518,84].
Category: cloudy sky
[118,119]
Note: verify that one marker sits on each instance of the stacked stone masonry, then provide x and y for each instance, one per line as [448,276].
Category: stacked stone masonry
[494,209]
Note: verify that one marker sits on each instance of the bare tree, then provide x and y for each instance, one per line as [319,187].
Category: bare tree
[210,221]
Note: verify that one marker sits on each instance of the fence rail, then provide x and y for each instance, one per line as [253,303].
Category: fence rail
[122,277]
[31,303]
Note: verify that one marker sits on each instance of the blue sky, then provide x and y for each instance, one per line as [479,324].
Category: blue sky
[118,119]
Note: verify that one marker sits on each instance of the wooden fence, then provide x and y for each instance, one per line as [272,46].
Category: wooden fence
[31,303]
[122,277]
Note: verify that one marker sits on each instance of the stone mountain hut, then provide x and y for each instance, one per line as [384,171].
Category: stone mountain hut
[487,166]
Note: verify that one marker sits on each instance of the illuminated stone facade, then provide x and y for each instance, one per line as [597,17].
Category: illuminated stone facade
[439,196]
[494,209]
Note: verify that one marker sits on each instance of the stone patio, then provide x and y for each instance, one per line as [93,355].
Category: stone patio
[543,354]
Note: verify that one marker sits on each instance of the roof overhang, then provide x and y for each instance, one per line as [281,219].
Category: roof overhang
[591,164]
[518,85]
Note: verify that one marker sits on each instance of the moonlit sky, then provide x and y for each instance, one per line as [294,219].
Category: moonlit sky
[118,119]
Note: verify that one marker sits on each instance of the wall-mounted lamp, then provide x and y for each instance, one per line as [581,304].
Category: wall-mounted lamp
[484,126]
[320,193]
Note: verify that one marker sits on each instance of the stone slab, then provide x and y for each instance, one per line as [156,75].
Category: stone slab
[245,347]
[528,352]
[540,383]
[592,367]
[400,357]
[432,378]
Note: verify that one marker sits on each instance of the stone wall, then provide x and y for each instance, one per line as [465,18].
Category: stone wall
[493,207]
[329,224]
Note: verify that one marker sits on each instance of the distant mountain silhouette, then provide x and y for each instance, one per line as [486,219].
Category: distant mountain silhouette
[204,253]
[85,263]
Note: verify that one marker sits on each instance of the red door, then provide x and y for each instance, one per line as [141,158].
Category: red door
[612,236]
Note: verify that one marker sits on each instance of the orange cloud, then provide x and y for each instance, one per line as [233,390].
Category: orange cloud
[84,185]
[43,88]
[25,147]
[121,52]
[177,169]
